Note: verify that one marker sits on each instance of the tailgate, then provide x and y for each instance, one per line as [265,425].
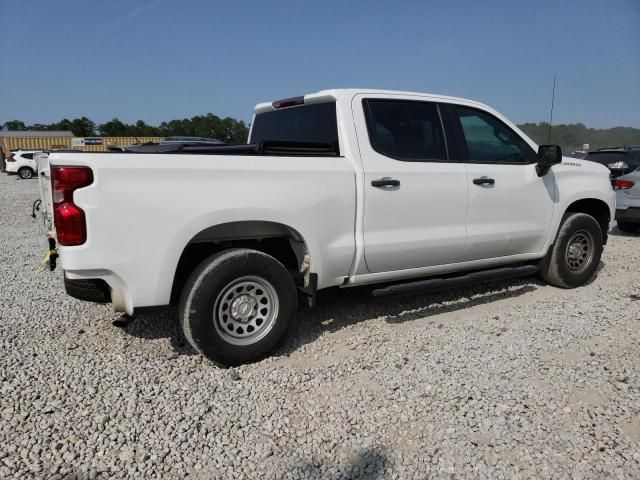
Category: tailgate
[44,179]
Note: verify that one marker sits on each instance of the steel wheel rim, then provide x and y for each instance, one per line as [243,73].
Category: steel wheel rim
[579,251]
[245,310]
[25,174]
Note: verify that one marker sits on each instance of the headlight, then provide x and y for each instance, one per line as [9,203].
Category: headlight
[618,165]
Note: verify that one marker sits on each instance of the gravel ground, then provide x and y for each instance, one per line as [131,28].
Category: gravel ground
[507,380]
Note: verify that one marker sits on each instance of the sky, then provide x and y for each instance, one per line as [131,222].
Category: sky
[157,60]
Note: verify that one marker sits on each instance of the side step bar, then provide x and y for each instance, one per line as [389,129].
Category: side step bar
[432,284]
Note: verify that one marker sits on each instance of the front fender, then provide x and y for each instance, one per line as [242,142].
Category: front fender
[578,180]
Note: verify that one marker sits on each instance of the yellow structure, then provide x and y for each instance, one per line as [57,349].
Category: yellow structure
[92,144]
[32,140]
[63,140]
[101,144]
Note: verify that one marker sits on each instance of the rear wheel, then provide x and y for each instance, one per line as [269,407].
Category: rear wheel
[628,227]
[575,255]
[25,173]
[237,306]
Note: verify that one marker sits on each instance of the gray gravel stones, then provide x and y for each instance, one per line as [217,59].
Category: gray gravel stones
[494,381]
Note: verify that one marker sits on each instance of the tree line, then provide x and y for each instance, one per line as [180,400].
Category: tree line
[227,129]
[569,136]
[572,136]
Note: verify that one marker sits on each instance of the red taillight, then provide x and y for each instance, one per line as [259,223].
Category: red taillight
[71,227]
[622,184]
[11,158]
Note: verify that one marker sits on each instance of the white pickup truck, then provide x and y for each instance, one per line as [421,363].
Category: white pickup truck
[334,189]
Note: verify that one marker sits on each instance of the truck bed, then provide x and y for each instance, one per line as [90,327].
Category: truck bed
[147,207]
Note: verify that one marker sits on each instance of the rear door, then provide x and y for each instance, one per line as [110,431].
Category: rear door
[510,206]
[415,191]
[28,161]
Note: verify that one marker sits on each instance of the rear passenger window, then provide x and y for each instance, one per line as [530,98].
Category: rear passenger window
[405,130]
[27,155]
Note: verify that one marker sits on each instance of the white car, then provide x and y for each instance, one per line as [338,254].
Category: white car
[21,162]
[627,189]
[334,189]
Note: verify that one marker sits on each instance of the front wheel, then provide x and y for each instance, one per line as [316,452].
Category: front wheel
[25,173]
[575,255]
[237,306]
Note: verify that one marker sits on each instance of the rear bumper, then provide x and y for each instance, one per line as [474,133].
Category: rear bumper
[99,286]
[94,290]
[631,214]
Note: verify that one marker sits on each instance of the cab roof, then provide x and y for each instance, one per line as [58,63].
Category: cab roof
[340,93]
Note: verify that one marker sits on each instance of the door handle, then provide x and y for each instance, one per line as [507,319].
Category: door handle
[385,182]
[484,181]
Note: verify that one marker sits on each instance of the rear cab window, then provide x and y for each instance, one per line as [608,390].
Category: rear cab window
[313,123]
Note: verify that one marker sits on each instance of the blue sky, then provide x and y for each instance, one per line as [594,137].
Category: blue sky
[162,59]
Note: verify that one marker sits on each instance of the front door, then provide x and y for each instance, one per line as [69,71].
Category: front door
[415,197]
[510,206]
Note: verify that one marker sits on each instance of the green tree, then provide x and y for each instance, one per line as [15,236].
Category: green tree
[573,136]
[14,125]
[114,128]
[63,125]
[83,127]
[226,129]
[141,129]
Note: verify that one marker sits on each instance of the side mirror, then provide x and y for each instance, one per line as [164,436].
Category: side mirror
[548,156]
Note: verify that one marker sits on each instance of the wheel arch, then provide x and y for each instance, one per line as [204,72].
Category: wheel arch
[279,240]
[596,208]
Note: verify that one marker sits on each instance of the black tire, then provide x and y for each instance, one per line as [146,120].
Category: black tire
[26,173]
[628,227]
[570,262]
[203,306]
